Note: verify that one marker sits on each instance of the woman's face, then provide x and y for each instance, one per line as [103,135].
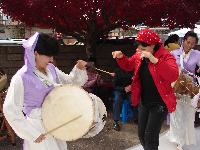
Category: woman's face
[189,43]
[91,70]
[147,49]
[42,61]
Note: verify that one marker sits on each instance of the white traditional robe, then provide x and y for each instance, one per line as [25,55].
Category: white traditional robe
[31,128]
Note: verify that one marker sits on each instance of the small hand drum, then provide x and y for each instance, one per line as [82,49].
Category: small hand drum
[185,85]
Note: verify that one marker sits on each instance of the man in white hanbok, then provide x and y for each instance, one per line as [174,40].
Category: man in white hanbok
[29,87]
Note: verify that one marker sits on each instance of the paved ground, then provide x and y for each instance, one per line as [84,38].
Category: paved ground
[107,139]
[165,144]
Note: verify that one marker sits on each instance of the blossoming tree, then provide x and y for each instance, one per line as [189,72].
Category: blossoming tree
[90,20]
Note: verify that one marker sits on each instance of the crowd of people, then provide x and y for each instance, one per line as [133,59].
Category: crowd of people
[144,80]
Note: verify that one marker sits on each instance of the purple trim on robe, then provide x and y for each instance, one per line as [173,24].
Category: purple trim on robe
[29,56]
[168,119]
[35,90]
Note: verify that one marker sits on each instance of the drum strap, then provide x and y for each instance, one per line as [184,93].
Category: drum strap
[193,104]
[48,81]
[181,60]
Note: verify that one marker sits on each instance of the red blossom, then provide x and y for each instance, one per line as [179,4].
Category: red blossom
[89,20]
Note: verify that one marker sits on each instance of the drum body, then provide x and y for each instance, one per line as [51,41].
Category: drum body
[100,115]
[63,104]
[185,85]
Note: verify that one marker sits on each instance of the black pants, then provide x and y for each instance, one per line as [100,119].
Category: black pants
[150,120]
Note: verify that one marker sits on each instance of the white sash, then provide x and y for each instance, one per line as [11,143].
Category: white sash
[46,80]
[181,60]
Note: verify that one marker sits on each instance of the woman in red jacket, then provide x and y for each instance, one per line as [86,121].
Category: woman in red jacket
[155,70]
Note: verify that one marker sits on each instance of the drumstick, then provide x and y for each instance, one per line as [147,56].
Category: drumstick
[88,66]
[187,88]
[98,69]
[61,125]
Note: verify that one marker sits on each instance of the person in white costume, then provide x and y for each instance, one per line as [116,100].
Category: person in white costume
[29,87]
[182,129]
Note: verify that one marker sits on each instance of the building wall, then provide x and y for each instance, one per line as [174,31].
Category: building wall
[32,30]
[12,58]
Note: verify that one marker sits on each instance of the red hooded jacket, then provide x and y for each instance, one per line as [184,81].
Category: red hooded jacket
[164,72]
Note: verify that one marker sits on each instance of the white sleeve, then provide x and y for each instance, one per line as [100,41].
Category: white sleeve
[12,109]
[76,77]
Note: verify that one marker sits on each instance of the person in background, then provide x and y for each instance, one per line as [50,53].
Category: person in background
[94,84]
[29,87]
[122,85]
[182,129]
[172,42]
[155,68]
[60,38]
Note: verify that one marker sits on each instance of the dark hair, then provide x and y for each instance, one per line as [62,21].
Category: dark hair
[172,39]
[192,34]
[137,43]
[92,59]
[47,45]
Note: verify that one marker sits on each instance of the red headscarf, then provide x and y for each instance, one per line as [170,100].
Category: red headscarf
[149,37]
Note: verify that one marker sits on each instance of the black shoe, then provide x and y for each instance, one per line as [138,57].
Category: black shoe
[116,126]
[136,121]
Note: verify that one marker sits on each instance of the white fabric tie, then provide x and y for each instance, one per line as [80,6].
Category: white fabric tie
[44,78]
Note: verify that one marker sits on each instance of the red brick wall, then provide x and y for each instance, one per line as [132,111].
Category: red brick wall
[12,58]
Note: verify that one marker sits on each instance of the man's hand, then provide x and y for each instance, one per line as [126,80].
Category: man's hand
[128,88]
[112,74]
[81,65]
[40,138]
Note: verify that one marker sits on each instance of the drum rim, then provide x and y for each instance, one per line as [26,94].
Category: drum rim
[105,112]
[92,110]
[3,79]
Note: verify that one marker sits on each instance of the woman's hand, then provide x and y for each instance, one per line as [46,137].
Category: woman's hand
[112,74]
[96,77]
[99,78]
[40,138]
[145,54]
[117,54]
[81,65]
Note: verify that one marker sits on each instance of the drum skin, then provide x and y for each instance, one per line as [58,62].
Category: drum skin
[64,103]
